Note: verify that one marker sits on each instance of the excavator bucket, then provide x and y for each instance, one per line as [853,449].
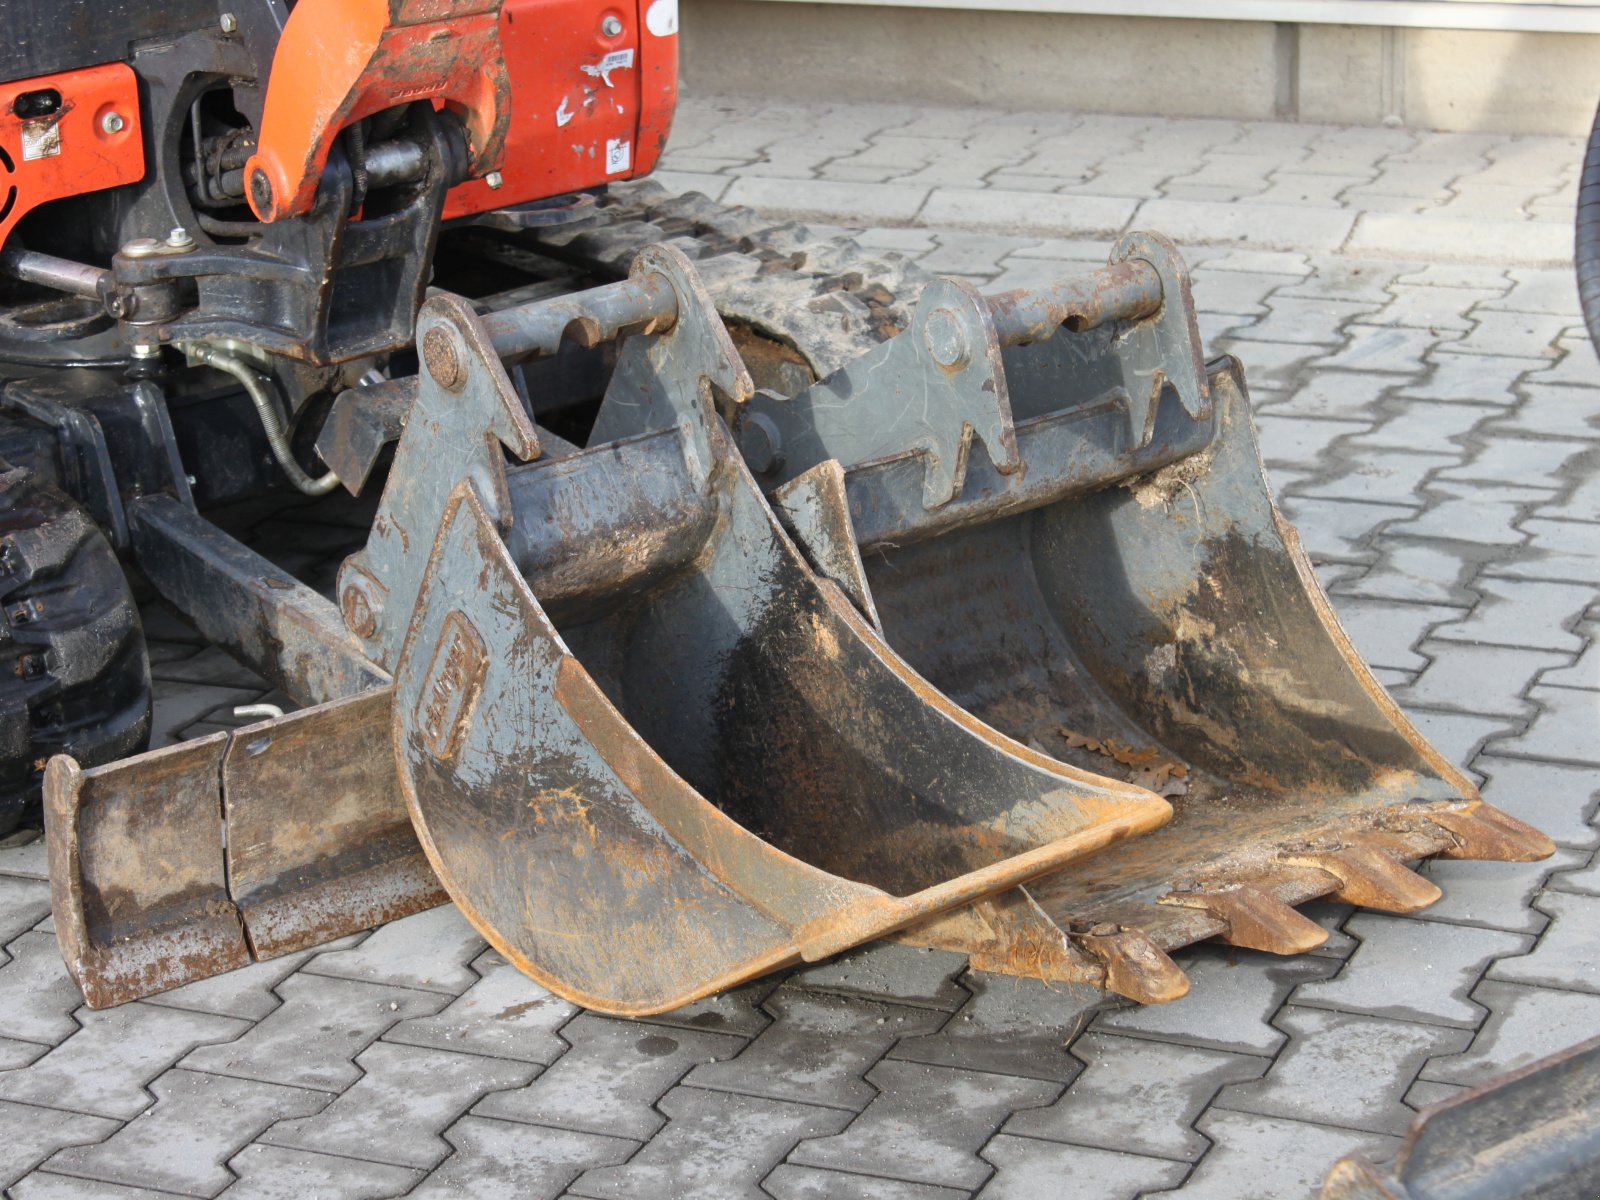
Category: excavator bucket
[1109,582]
[615,673]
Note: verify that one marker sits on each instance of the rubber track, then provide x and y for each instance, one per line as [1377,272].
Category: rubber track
[827,298]
[1587,250]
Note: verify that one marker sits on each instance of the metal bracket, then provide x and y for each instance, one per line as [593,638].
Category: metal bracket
[466,409]
[1163,349]
[929,391]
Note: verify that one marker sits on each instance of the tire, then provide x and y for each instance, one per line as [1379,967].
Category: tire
[1586,252]
[74,675]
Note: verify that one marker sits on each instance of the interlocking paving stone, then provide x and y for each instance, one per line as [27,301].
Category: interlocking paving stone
[1525,1024]
[1337,529]
[23,904]
[1342,1069]
[1558,550]
[271,1173]
[817,1048]
[104,1067]
[430,950]
[312,1039]
[32,1134]
[790,1182]
[1488,680]
[179,705]
[1516,612]
[926,1124]
[610,1079]
[715,1144]
[1473,379]
[1270,226]
[1300,441]
[1552,797]
[1428,572]
[1565,727]
[1381,475]
[736,1011]
[1011,1025]
[1243,293]
[1418,424]
[1386,634]
[1413,969]
[504,1014]
[1379,235]
[23,856]
[1263,1158]
[1305,320]
[1027,212]
[1025,1170]
[40,995]
[15,1053]
[1268,364]
[1511,334]
[886,202]
[1585,672]
[893,972]
[1568,953]
[1495,895]
[503,1160]
[181,1142]
[1550,411]
[46,1185]
[1471,514]
[403,1101]
[1138,1096]
[249,993]
[1584,879]
[1458,736]
[1232,996]
[1517,460]
[1390,348]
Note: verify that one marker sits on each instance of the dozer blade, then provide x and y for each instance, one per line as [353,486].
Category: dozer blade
[595,746]
[1107,580]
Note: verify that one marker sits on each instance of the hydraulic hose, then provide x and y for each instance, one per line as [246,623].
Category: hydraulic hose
[272,426]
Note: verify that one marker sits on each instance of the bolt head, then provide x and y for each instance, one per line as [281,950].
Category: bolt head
[442,357]
[180,239]
[229,23]
[113,122]
[945,335]
[494,180]
[611,26]
[358,615]
[261,193]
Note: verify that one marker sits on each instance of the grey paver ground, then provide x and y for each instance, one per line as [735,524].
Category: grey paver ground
[1405,311]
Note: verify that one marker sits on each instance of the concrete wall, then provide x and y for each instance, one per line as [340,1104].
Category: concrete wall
[1428,78]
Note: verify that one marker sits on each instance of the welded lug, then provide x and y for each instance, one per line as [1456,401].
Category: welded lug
[1135,966]
[927,392]
[362,422]
[457,430]
[1532,1132]
[1162,350]
[815,511]
[1367,875]
[1254,918]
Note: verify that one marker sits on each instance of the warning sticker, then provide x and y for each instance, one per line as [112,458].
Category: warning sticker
[41,139]
[615,61]
[619,155]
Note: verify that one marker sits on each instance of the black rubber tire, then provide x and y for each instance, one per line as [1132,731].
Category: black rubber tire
[74,675]
[1586,252]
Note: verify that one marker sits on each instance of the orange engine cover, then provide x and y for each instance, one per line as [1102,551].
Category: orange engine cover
[63,135]
[587,107]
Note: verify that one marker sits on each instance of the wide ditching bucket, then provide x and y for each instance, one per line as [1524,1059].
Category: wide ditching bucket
[1110,583]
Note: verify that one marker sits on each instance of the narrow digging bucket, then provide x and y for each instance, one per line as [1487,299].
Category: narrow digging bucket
[1104,577]
[595,754]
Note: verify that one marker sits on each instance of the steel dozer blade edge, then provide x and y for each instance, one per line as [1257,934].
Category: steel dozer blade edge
[755,678]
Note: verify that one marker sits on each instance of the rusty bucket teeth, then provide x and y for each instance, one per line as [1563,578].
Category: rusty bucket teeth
[1135,966]
[1255,919]
[1482,831]
[1369,876]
